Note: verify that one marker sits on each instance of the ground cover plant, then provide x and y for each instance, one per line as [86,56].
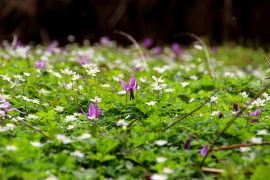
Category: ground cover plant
[106,112]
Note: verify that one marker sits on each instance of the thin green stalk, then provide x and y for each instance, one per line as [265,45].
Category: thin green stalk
[211,71]
[186,115]
[126,101]
[35,129]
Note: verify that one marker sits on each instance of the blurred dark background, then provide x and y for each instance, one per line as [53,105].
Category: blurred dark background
[242,21]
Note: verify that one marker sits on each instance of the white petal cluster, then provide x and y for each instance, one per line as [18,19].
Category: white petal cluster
[91,69]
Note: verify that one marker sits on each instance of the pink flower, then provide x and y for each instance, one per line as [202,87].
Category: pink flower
[148,42]
[256,113]
[130,87]
[176,49]
[204,150]
[82,61]
[40,64]
[93,112]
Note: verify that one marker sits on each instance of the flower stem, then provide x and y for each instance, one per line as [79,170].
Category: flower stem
[126,101]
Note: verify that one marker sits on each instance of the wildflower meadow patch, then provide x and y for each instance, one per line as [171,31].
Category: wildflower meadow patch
[104,112]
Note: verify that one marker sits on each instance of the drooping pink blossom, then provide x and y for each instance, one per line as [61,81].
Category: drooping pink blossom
[130,87]
[40,64]
[204,150]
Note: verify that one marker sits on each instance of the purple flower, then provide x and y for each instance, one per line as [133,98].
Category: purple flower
[176,48]
[187,143]
[5,106]
[235,107]
[105,40]
[52,46]
[93,111]
[256,113]
[130,87]
[18,44]
[204,150]
[254,121]
[82,61]
[40,64]
[148,42]
[214,49]
[157,50]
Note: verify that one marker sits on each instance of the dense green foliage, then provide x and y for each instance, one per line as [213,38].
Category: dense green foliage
[127,142]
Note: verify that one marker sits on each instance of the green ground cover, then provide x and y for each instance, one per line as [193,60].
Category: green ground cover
[48,132]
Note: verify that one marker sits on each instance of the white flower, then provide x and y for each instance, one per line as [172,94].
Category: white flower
[258,102]
[262,132]
[161,70]
[169,90]
[36,144]
[156,86]
[84,136]
[10,126]
[214,113]
[59,108]
[52,177]
[266,96]
[56,74]
[64,139]
[184,84]
[159,177]
[18,77]
[44,92]
[244,94]
[69,85]
[193,77]
[229,74]
[35,101]
[2,129]
[91,69]
[122,92]
[11,148]
[198,46]
[26,74]
[256,140]
[77,114]
[5,96]
[70,127]
[161,159]
[32,116]
[77,154]
[158,80]
[5,77]
[143,79]
[96,100]
[22,51]
[213,99]
[105,85]
[67,71]
[151,103]
[244,149]
[122,123]
[116,78]
[191,100]
[70,118]
[167,170]
[161,142]
[76,77]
